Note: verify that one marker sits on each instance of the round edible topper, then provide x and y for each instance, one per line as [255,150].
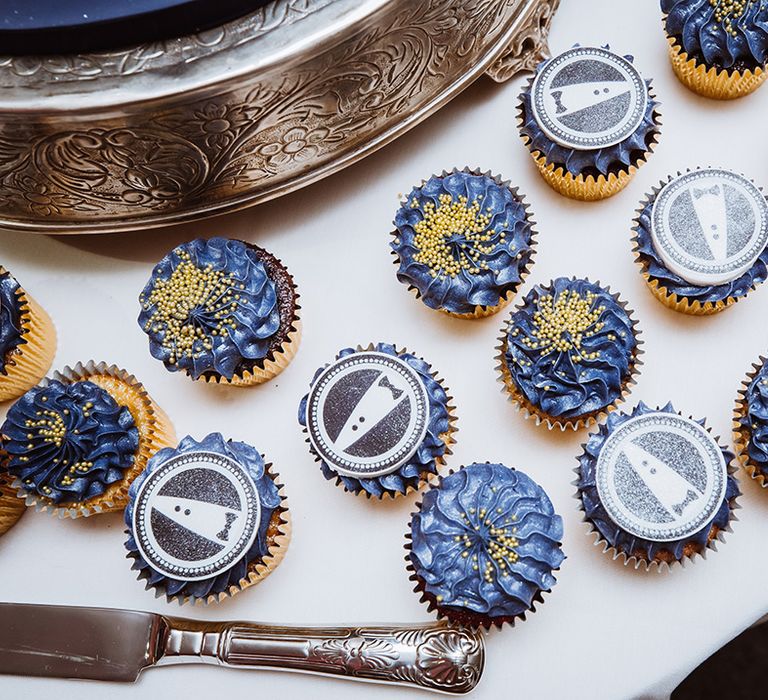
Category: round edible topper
[709,226]
[196,515]
[588,98]
[367,414]
[661,477]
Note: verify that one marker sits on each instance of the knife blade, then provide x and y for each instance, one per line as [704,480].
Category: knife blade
[116,645]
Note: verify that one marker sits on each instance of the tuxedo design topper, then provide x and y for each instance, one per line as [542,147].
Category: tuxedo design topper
[367,413]
[661,477]
[196,515]
[709,226]
[588,98]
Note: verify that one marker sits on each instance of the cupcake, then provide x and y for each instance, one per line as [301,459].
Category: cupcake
[701,240]
[76,442]
[206,520]
[464,242]
[222,311]
[11,506]
[589,120]
[27,339]
[718,48]
[484,545]
[378,420]
[569,352]
[750,427]
[655,487]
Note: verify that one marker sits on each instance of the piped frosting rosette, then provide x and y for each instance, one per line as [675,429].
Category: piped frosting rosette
[750,423]
[378,420]
[656,488]
[206,520]
[483,545]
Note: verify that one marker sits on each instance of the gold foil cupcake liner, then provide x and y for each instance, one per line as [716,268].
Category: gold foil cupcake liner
[718,84]
[29,362]
[481,311]
[471,620]
[692,307]
[154,427]
[426,477]
[637,560]
[742,434]
[587,188]
[539,416]
[12,506]
[276,360]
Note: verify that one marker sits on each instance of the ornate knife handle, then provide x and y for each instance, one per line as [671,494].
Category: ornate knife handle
[432,656]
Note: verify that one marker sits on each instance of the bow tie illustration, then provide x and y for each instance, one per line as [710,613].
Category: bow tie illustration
[698,194]
[396,393]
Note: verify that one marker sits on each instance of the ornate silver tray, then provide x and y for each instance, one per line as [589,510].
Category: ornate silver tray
[186,128]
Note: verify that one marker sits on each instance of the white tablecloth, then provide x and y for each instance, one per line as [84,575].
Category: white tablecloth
[605,630]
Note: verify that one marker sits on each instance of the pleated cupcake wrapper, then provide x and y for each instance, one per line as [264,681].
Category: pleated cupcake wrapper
[11,506]
[519,400]
[713,82]
[481,311]
[276,360]
[742,435]
[630,559]
[155,432]
[692,307]
[31,360]
[257,570]
[426,477]
[420,587]
[586,188]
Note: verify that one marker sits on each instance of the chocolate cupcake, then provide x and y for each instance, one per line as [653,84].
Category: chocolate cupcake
[750,426]
[701,240]
[27,339]
[75,443]
[206,520]
[569,353]
[655,487]
[484,545]
[378,420]
[464,242]
[718,48]
[223,311]
[589,120]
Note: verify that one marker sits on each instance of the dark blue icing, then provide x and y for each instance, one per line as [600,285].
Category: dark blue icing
[552,379]
[590,162]
[68,442]
[253,463]
[614,535]
[238,298]
[429,451]
[478,510]
[675,284]
[475,285]
[10,317]
[755,421]
[741,42]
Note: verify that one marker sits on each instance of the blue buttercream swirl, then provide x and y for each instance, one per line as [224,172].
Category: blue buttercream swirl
[11,332]
[487,541]
[589,162]
[488,268]
[269,496]
[674,284]
[209,306]
[755,420]
[729,40]
[617,537]
[68,442]
[570,348]
[432,447]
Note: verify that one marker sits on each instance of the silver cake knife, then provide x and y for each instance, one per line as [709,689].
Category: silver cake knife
[116,645]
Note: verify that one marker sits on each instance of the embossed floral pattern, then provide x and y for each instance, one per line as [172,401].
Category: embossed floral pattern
[300,144]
